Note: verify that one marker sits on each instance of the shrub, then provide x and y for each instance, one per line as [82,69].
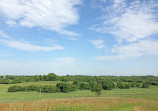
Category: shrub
[97,89]
[145,85]
[16,89]
[108,85]
[32,88]
[64,87]
[49,89]
[83,86]
[120,85]
[126,85]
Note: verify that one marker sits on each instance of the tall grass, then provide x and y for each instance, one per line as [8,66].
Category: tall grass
[83,104]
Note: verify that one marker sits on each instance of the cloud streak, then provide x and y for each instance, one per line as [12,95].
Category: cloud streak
[99,44]
[25,46]
[141,48]
[54,15]
[132,23]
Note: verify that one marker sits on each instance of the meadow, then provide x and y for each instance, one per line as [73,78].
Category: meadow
[133,99]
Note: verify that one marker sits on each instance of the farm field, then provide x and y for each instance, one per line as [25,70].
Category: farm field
[133,99]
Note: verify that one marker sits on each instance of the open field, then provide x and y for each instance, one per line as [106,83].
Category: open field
[150,93]
[133,99]
[83,104]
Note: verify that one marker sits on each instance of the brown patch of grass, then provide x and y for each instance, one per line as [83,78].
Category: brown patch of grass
[81,104]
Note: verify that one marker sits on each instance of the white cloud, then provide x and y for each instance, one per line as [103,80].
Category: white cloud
[54,15]
[130,22]
[5,39]
[3,35]
[141,48]
[29,47]
[11,23]
[99,44]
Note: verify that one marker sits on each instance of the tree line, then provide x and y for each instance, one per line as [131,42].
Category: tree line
[12,79]
[78,85]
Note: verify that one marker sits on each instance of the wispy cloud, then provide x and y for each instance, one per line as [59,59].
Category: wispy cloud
[25,46]
[54,15]
[99,44]
[141,48]
[130,22]
[133,22]
[3,35]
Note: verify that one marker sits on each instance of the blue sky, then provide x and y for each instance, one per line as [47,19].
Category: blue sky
[86,37]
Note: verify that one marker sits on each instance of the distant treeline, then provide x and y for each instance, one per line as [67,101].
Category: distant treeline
[60,87]
[77,85]
[80,82]
[11,79]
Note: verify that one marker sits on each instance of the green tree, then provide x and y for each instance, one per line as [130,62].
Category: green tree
[108,85]
[64,87]
[64,79]
[126,85]
[120,85]
[145,85]
[97,89]
[51,77]
[83,86]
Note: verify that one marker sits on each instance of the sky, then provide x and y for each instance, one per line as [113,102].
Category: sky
[79,37]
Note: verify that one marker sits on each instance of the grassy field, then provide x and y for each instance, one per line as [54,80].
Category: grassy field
[134,99]
[83,104]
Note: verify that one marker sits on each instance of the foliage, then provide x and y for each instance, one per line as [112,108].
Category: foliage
[97,89]
[64,79]
[126,85]
[108,85]
[83,86]
[51,77]
[49,89]
[145,85]
[120,85]
[65,87]
[15,89]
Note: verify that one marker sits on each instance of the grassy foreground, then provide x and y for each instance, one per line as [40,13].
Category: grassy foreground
[83,104]
[134,99]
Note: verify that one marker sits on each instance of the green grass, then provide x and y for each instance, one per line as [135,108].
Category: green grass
[150,93]
[81,100]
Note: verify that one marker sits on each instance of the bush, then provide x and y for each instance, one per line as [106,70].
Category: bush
[76,83]
[145,85]
[154,83]
[108,85]
[74,87]
[126,85]
[83,86]
[64,79]
[120,85]
[64,87]
[16,89]
[97,89]
[32,88]
[49,89]
[133,84]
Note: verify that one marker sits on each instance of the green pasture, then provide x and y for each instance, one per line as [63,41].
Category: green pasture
[150,93]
